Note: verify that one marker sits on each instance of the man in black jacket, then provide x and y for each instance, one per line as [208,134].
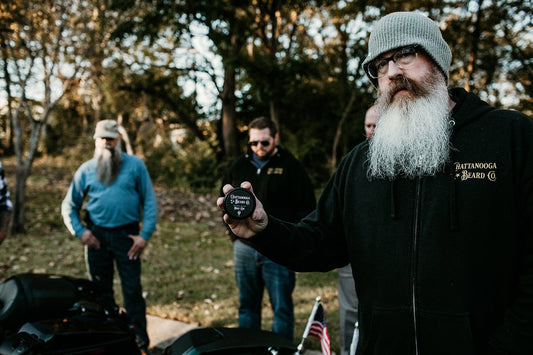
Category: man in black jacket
[283,185]
[434,212]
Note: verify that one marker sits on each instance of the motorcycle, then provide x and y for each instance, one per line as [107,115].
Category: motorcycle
[230,341]
[42,314]
[243,341]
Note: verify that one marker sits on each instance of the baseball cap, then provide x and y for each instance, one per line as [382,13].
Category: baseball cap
[106,129]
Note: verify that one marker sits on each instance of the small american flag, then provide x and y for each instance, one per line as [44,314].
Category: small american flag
[319,329]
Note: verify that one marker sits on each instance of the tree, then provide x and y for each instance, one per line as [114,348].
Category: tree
[43,56]
[517,20]
[297,61]
[349,46]
[263,26]
[5,23]
[228,25]
[174,20]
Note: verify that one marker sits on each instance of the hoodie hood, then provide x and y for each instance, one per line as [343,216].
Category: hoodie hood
[468,107]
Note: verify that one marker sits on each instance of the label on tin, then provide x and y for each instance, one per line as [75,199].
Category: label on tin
[239,203]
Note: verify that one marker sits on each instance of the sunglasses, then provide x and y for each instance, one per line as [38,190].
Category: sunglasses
[255,143]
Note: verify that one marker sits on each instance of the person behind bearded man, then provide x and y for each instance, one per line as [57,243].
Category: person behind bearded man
[118,191]
[434,212]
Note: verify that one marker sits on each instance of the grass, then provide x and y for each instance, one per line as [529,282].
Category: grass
[188,272]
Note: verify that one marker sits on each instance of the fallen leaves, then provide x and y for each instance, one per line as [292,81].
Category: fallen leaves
[185,206]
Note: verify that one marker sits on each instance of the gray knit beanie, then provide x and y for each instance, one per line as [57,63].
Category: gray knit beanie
[400,29]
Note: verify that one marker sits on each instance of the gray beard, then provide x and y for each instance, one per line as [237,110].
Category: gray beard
[412,135]
[108,164]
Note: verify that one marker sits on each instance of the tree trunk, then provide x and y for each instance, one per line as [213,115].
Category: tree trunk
[8,143]
[344,89]
[229,127]
[274,116]
[471,66]
[19,203]
[347,109]
[24,165]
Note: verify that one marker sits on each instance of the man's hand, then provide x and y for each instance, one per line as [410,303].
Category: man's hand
[139,243]
[88,238]
[245,228]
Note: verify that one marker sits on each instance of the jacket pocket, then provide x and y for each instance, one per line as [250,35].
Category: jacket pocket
[390,332]
[445,333]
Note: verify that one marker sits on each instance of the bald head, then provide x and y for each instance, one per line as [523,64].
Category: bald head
[371,118]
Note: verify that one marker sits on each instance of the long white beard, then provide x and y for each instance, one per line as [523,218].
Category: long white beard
[108,164]
[412,135]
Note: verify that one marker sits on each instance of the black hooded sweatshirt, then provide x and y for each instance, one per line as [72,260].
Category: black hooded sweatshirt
[442,264]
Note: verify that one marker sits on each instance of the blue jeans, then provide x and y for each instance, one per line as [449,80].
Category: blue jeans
[114,246]
[253,273]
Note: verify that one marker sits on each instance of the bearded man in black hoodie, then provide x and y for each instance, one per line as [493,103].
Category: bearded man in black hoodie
[434,213]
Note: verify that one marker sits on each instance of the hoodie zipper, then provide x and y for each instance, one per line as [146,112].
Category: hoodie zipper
[414,259]
[257,168]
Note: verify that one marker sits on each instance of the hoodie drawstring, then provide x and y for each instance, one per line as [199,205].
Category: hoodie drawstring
[454,217]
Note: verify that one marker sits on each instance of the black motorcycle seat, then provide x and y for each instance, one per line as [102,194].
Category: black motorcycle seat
[9,301]
[30,297]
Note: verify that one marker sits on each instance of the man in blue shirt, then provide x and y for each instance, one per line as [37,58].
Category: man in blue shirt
[119,192]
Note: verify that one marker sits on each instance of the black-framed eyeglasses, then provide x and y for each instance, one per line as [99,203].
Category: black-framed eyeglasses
[403,58]
[264,143]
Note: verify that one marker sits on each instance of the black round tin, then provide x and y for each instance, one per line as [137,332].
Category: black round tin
[239,203]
